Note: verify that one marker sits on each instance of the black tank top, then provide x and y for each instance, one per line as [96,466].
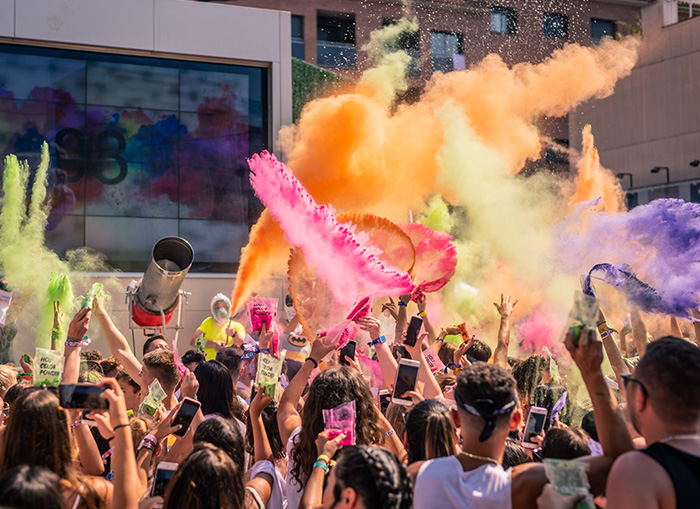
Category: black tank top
[684,471]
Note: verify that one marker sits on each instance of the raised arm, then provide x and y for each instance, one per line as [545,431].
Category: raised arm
[427,325]
[612,430]
[432,387]
[386,360]
[117,343]
[288,417]
[639,332]
[616,361]
[77,330]
[500,355]
[123,459]
[261,444]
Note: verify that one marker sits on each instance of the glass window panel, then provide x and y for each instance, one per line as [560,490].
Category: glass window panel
[601,28]
[555,25]
[212,140]
[42,78]
[132,86]
[214,193]
[64,233]
[215,242]
[214,92]
[127,241]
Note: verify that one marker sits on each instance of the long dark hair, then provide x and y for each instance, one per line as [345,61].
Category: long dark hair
[224,434]
[376,475]
[35,487]
[430,432]
[269,417]
[207,479]
[216,392]
[37,435]
[329,389]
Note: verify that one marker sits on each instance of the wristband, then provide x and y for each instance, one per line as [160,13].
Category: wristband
[423,314]
[107,454]
[149,442]
[402,303]
[78,342]
[389,433]
[322,465]
[378,341]
[119,426]
[309,358]
[452,365]
[324,457]
[75,424]
[606,333]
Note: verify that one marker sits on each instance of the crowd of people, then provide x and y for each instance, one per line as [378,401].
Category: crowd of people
[460,438]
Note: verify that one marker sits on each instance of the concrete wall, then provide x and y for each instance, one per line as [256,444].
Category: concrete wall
[653,118]
[161,28]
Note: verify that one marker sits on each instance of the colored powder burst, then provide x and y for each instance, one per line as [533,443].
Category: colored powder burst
[541,329]
[357,153]
[436,215]
[59,290]
[349,270]
[657,240]
[595,182]
[24,258]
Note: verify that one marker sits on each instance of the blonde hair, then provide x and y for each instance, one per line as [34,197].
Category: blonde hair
[8,378]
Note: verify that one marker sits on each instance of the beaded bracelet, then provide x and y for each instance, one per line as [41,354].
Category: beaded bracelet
[379,340]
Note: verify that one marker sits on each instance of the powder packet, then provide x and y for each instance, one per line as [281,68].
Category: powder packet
[96,290]
[153,399]
[362,308]
[434,362]
[181,368]
[48,367]
[261,311]
[268,375]
[584,313]
[569,477]
[341,419]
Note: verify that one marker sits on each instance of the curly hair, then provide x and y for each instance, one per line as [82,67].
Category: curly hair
[329,389]
[376,475]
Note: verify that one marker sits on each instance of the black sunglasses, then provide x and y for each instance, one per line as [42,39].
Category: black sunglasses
[627,378]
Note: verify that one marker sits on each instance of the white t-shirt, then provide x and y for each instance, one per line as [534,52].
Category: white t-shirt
[294,490]
[278,496]
[443,483]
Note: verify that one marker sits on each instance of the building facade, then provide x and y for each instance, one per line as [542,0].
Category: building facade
[453,34]
[150,109]
[649,130]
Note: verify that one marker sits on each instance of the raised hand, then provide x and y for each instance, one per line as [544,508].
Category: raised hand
[507,305]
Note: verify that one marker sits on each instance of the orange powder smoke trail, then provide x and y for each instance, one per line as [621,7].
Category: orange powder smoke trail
[350,150]
[593,181]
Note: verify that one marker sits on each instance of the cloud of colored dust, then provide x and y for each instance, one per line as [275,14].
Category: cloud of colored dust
[466,139]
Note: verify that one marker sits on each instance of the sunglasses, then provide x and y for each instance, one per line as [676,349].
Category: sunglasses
[627,378]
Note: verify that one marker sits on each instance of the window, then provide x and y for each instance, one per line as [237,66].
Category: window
[504,20]
[555,25]
[336,40]
[136,143]
[298,37]
[601,28]
[443,48]
[408,42]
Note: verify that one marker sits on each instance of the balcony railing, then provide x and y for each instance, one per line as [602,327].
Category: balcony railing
[339,55]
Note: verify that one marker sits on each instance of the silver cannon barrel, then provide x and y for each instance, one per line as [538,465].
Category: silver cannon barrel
[170,260]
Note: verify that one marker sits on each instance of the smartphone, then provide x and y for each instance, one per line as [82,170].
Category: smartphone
[534,426]
[413,330]
[406,379]
[164,472]
[384,399]
[347,350]
[400,349]
[185,415]
[84,419]
[82,396]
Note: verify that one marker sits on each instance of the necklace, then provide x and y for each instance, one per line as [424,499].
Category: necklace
[689,436]
[482,458]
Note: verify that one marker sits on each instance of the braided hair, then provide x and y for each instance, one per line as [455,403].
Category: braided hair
[377,476]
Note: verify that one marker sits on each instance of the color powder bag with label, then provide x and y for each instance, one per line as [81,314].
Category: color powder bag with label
[268,375]
[341,419]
